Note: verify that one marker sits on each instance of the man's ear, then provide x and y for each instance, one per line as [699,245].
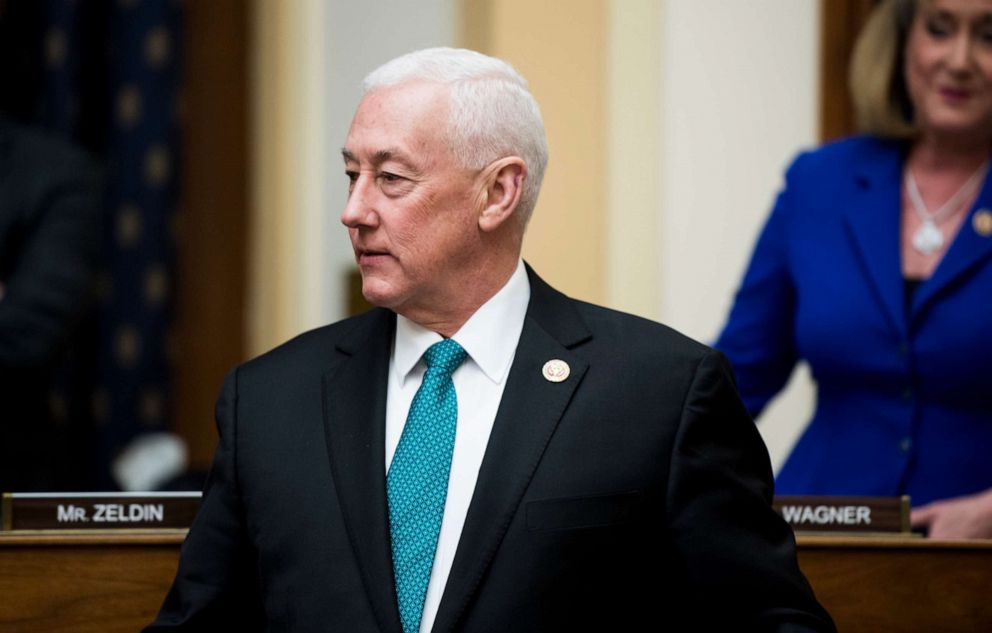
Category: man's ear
[504,180]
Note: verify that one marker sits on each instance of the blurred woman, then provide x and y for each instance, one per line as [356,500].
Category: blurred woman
[875,267]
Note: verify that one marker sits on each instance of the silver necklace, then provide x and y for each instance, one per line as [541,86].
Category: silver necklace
[929,238]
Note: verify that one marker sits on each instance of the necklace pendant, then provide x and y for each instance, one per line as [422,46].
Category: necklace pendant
[928,239]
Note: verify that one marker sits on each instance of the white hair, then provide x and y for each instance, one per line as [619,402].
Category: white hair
[492,112]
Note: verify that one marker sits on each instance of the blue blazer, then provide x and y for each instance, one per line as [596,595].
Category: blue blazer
[904,390]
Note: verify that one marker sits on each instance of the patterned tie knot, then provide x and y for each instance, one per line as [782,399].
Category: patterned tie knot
[444,356]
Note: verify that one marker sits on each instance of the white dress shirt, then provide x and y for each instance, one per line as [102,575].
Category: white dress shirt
[490,338]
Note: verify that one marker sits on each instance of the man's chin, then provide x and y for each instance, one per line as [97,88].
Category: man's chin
[379,296]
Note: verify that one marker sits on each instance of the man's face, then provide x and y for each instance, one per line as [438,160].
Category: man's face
[412,213]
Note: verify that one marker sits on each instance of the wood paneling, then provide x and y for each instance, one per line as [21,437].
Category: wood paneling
[212,233]
[842,20]
[116,582]
[901,585]
[84,584]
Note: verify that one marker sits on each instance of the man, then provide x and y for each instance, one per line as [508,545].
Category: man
[479,453]
[50,221]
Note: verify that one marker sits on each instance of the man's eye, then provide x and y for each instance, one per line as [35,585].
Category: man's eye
[393,185]
[352,179]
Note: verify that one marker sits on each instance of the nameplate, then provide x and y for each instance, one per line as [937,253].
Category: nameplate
[845,514]
[61,511]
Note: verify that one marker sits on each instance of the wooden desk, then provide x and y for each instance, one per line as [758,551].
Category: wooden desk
[105,583]
[87,583]
[894,584]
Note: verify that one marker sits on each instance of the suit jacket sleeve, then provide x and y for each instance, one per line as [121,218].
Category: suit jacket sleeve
[759,336]
[49,245]
[216,587]
[738,554]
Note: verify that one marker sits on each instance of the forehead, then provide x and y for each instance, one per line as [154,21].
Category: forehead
[409,117]
[962,8]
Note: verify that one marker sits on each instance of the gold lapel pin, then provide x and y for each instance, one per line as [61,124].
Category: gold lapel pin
[556,370]
[982,222]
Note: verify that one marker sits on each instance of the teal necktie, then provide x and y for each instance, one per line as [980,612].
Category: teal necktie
[417,482]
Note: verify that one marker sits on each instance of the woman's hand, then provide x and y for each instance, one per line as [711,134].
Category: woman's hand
[968,517]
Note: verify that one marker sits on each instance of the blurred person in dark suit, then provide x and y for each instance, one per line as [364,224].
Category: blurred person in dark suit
[50,229]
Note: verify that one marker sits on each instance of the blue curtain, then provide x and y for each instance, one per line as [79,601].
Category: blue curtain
[111,82]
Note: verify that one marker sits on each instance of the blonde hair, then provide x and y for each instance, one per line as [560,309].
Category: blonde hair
[877,82]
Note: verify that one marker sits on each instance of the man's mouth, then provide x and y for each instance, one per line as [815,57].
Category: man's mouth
[368,256]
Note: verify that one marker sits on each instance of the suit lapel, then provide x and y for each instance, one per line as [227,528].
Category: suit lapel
[529,412]
[354,423]
[872,221]
[967,250]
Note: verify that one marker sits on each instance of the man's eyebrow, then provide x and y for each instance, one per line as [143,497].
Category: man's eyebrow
[380,157]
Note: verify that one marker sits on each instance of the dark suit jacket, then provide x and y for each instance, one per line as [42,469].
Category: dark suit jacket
[632,496]
[50,229]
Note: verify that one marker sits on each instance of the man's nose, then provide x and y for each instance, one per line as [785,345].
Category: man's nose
[359,210]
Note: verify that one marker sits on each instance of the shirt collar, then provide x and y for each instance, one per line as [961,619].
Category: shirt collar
[489,336]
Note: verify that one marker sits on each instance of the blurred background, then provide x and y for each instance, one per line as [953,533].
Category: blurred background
[218,125]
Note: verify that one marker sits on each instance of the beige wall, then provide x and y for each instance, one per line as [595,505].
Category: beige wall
[739,99]
[559,48]
[309,57]
[633,155]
